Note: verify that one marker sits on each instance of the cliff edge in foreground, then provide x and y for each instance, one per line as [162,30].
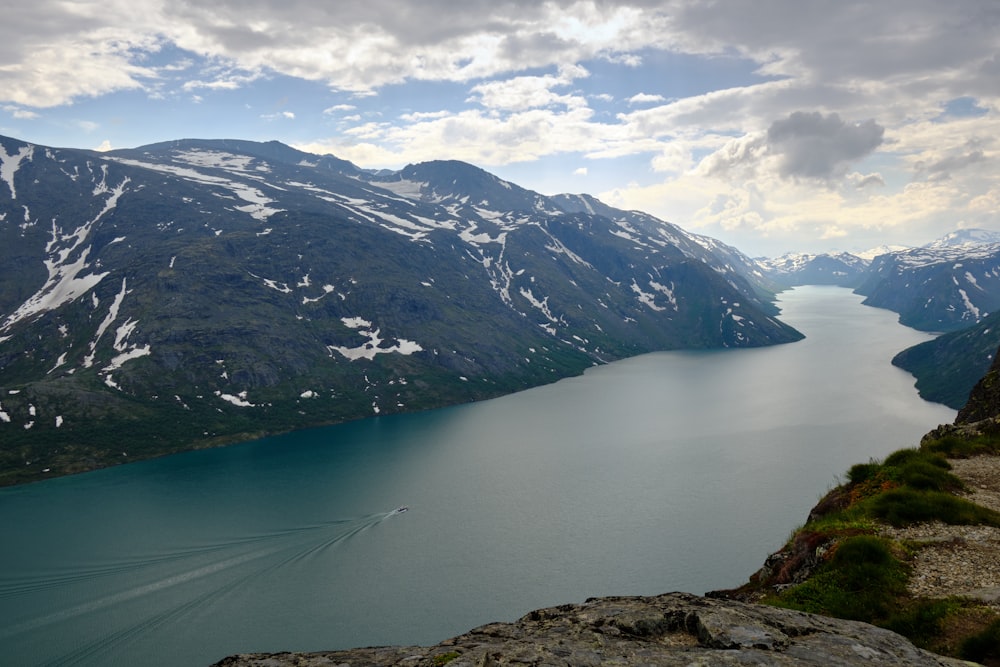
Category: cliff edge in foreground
[671,629]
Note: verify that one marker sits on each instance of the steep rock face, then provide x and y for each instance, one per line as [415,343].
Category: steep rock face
[984,400]
[673,629]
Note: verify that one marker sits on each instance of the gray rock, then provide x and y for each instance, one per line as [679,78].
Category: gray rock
[670,629]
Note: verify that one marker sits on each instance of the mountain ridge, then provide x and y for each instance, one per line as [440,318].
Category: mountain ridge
[196,292]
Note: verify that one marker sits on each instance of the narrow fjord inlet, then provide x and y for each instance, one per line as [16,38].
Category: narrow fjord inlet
[669,471]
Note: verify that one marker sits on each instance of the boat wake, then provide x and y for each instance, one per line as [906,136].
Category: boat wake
[122,599]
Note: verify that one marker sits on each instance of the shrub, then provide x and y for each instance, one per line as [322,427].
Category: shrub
[862,581]
[982,646]
[862,472]
[956,447]
[905,506]
[927,473]
[901,457]
[922,621]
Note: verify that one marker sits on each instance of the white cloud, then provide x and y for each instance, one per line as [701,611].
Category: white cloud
[581,171]
[530,92]
[337,108]
[104,146]
[280,115]
[20,113]
[849,126]
[645,98]
[473,136]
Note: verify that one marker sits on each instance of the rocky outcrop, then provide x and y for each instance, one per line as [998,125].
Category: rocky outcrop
[671,629]
[984,400]
[981,413]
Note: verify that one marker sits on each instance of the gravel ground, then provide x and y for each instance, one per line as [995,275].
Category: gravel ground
[960,560]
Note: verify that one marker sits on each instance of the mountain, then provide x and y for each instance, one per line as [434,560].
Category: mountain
[966,237]
[947,285]
[193,292]
[948,367]
[983,405]
[872,253]
[951,285]
[792,269]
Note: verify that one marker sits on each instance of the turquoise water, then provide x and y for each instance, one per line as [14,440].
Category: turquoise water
[670,471]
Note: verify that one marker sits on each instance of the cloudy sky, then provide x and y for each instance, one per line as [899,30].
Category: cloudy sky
[773,125]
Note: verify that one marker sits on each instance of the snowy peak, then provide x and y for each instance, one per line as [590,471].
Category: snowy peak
[966,237]
[947,285]
[791,269]
[872,253]
[459,183]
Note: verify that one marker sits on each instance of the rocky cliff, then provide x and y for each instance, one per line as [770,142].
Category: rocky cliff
[984,400]
[671,629]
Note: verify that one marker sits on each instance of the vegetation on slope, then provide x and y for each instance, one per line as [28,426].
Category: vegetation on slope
[948,367]
[838,564]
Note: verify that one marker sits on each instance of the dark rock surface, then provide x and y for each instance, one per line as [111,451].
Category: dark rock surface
[671,629]
[984,400]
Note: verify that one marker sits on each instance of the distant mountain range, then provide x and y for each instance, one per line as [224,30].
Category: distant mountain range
[192,293]
[951,285]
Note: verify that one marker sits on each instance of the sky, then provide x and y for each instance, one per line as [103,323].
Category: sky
[772,125]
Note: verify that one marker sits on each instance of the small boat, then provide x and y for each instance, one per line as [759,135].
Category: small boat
[401,509]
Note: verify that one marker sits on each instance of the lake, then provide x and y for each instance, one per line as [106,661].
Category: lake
[676,471]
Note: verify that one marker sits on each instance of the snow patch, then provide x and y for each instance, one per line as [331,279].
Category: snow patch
[542,305]
[403,188]
[645,297]
[108,320]
[969,306]
[369,349]
[666,291]
[129,355]
[240,400]
[65,282]
[10,163]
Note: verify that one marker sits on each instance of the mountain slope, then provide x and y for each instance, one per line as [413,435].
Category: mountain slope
[944,286]
[196,292]
[948,367]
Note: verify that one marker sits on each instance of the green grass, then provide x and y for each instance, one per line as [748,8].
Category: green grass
[956,447]
[860,576]
[908,505]
[861,582]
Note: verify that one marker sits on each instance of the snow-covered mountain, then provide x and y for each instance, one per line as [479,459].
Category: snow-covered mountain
[793,269]
[198,292]
[950,285]
[872,253]
[966,237]
[947,285]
